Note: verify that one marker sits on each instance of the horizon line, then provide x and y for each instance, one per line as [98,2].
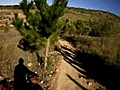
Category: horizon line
[73,7]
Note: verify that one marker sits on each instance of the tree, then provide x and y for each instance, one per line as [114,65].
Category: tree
[106,29]
[101,28]
[40,25]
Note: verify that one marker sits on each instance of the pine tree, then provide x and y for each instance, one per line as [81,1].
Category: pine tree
[40,25]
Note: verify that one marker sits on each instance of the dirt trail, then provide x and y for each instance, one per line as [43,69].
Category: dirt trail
[68,77]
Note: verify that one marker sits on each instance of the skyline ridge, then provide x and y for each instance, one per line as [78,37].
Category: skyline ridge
[102,5]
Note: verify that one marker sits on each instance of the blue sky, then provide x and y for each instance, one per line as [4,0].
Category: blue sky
[105,5]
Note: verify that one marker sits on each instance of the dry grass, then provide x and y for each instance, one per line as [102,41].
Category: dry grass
[109,50]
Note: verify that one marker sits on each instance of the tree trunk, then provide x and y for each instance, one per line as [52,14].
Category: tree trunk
[39,58]
[47,51]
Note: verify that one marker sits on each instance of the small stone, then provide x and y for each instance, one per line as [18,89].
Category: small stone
[39,64]
[36,72]
[56,70]
[41,82]
[11,26]
[9,80]
[53,60]
[50,75]
[51,72]
[1,78]
[29,64]
[89,83]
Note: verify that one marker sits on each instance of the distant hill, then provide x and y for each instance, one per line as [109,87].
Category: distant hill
[86,14]
[70,9]
[91,11]
[9,7]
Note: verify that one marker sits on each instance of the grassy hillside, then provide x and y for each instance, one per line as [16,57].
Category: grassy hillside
[89,14]
[94,32]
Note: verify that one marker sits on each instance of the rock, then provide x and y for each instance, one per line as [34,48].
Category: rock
[50,75]
[11,25]
[41,82]
[9,80]
[53,60]
[1,78]
[36,72]
[89,83]
[56,70]
[39,64]
[29,64]
[51,52]
[51,72]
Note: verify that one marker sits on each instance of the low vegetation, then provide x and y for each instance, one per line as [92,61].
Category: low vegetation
[94,35]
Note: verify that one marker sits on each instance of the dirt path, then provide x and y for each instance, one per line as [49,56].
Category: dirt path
[70,76]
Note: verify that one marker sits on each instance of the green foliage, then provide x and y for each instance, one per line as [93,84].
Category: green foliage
[17,22]
[79,24]
[79,27]
[39,24]
[50,15]
[95,28]
[101,27]
[25,6]
[82,27]
[68,27]
[49,64]
[96,32]
[54,36]
[7,28]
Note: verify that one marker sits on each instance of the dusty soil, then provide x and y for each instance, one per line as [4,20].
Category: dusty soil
[68,77]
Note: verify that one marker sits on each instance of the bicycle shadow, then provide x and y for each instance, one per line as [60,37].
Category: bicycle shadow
[23,78]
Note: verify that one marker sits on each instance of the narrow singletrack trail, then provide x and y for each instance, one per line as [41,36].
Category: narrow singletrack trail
[71,76]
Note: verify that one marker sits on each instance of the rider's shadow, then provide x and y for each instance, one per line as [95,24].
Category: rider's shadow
[21,76]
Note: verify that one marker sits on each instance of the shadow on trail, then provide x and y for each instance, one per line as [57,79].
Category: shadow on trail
[24,79]
[83,88]
[96,69]
[70,58]
[94,66]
